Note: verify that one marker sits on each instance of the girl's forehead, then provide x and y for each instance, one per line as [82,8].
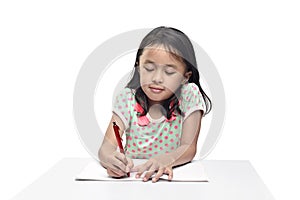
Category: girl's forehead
[160,53]
[161,48]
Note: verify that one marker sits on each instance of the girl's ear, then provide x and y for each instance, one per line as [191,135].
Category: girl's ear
[187,76]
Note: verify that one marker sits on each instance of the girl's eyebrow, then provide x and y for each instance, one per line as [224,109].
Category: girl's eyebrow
[147,61]
[171,65]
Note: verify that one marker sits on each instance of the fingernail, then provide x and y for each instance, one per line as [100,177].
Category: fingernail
[127,169]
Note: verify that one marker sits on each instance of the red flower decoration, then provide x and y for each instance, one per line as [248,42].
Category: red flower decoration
[173,117]
[138,108]
[143,120]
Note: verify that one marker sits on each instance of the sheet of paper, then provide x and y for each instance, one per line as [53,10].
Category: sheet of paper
[191,172]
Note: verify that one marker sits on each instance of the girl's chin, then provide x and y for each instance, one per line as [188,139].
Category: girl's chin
[156,100]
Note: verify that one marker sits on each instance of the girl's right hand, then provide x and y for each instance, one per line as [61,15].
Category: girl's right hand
[117,164]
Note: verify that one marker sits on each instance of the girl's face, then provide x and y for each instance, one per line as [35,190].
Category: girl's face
[161,74]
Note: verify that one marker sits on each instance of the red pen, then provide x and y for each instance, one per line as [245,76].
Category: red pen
[119,140]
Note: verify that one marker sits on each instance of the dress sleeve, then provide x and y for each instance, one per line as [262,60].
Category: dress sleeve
[191,99]
[123,106]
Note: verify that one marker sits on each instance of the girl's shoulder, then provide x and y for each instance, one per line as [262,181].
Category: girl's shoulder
[125,96]
[125,92]
[190,89]
[123,105]
[191,99]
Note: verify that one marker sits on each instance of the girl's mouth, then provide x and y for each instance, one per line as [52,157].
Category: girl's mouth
[156,89]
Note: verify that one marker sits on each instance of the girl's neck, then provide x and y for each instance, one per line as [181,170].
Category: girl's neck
[155,111]
[153,103]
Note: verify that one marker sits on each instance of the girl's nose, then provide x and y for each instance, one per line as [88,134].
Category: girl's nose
[157,77]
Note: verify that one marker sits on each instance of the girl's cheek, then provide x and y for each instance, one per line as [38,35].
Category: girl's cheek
[173,86]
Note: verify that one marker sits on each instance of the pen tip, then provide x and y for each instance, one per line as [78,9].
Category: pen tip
[114,123]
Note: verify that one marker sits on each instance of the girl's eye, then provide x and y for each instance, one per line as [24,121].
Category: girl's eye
[149,68]
[170,72]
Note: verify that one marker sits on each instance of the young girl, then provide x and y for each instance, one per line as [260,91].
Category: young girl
[160,109]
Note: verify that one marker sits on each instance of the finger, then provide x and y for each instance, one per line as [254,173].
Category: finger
[169,171]
[143,168]
[121,157]
[129,165]
[149,174]
[159,173]
[115,173]
[112,173]
[104,164]
[115,164]
[109,164]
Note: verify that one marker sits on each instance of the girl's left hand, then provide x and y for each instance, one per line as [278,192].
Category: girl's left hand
[154,165]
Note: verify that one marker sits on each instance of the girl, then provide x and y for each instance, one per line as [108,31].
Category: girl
[160,109]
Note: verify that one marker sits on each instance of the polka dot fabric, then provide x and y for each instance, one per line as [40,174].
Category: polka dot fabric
[159,135]
[191,99]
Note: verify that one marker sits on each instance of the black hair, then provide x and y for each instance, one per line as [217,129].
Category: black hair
[178,44]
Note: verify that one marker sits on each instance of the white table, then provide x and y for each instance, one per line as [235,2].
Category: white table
[232,180]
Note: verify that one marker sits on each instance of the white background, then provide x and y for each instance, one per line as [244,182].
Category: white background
[254,45]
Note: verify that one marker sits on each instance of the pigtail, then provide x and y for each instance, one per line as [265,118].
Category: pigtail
[171,105]
[142,99]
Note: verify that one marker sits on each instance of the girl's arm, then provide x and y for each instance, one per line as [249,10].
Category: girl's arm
[188,144]
[115,162]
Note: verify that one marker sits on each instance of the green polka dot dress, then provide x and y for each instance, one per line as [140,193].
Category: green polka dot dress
[156,136]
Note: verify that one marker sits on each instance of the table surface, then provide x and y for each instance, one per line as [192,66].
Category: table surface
[232,180]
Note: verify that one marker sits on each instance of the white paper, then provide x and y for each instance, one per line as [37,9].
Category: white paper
[191,172]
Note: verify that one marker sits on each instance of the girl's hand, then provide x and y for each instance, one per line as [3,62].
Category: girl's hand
[117,164]
[156,165]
